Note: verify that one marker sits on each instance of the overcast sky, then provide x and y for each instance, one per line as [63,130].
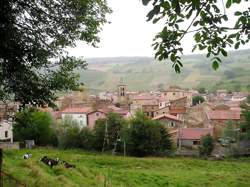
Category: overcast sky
[129,34]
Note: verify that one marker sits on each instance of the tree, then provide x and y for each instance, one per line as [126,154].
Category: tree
[70,135]
[31,124]
[245,125]
[207,145]
[198,99]
[115,123]
[33,36]
[147,137]
[206,20]
[202,90]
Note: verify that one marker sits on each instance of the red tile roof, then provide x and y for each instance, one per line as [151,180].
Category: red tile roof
[177,110]
[194,133]
[168,116]
[223,115]
[84,110]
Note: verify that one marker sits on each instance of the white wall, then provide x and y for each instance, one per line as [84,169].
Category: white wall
[6,129]
[81,119]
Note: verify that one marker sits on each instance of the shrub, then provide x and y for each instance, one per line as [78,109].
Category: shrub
[147,137]
[70,135]
[198,99]
[31,124]
[207,145]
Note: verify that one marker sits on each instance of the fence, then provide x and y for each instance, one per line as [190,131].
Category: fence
[8,180]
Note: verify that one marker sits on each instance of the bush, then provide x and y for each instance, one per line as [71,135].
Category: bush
[115,123]
[147,137]
[198,99]
[31,124]
[70,135]
[207,145]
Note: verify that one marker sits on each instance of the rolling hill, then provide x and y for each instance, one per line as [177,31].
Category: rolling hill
[144,73]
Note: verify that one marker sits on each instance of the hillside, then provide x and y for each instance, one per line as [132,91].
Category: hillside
[143,73]
[93,170]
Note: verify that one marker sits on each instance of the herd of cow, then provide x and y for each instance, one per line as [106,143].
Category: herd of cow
[51,162]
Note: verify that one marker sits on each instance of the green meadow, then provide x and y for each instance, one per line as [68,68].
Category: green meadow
[95,169]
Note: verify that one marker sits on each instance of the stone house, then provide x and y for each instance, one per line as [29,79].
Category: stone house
[168,120]
[191,137]
[174,93]
[219,117]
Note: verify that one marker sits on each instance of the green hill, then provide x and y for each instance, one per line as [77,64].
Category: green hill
[143,73]
[96,170]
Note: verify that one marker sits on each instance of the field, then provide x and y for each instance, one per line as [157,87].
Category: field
[104,170]
[144,73]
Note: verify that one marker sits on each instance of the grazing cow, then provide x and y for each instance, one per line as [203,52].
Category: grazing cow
[27,156]
[67,165]
[48,161]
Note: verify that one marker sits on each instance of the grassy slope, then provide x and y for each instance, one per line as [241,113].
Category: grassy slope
[142,73]
[93,170]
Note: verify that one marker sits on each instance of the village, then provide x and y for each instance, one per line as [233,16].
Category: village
[186,121]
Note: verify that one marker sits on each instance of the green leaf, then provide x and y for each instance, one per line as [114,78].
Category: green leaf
[237,13]
[177,68]
[215,65]
[229,3]
[237,45]
[223,52]
[145,2]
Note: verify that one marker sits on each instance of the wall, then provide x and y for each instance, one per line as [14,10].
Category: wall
[9,145]
[6,127]
[92,117]
[81,119]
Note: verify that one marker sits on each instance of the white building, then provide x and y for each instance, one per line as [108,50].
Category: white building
[6,131]
[78,115]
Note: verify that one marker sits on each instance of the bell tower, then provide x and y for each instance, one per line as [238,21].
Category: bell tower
[122,96]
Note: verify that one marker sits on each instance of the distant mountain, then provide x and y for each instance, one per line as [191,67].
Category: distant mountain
[144,73]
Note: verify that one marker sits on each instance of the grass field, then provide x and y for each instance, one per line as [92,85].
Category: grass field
[104,170]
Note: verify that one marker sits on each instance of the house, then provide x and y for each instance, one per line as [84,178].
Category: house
[218,119]
[174,93]
[168,120]
[84,116]
[161,111]
[190,137]
[6,133]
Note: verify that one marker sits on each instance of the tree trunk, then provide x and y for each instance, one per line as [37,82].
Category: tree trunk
[1,163]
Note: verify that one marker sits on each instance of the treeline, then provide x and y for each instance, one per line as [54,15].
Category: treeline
[139,136]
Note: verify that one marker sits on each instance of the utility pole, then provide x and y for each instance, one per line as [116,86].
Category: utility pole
[106,138]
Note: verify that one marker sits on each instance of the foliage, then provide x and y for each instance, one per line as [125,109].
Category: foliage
[115,123]
[33,36]
[147,137]
[70,135]
[31,124]
[201,90]
[229,133]
[207,145]
[198,99]
[245,125]
[94,169]
[208,23]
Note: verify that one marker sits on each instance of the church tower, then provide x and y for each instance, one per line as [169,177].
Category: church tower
[122,96]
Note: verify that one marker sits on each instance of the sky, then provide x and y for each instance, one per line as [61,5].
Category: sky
[129,34]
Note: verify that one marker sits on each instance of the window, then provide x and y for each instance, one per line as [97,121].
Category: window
[196,142]
[6,134]
[173,93]
[97,114]
[172,124]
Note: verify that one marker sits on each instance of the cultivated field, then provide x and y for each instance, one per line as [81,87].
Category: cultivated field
[104,170]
